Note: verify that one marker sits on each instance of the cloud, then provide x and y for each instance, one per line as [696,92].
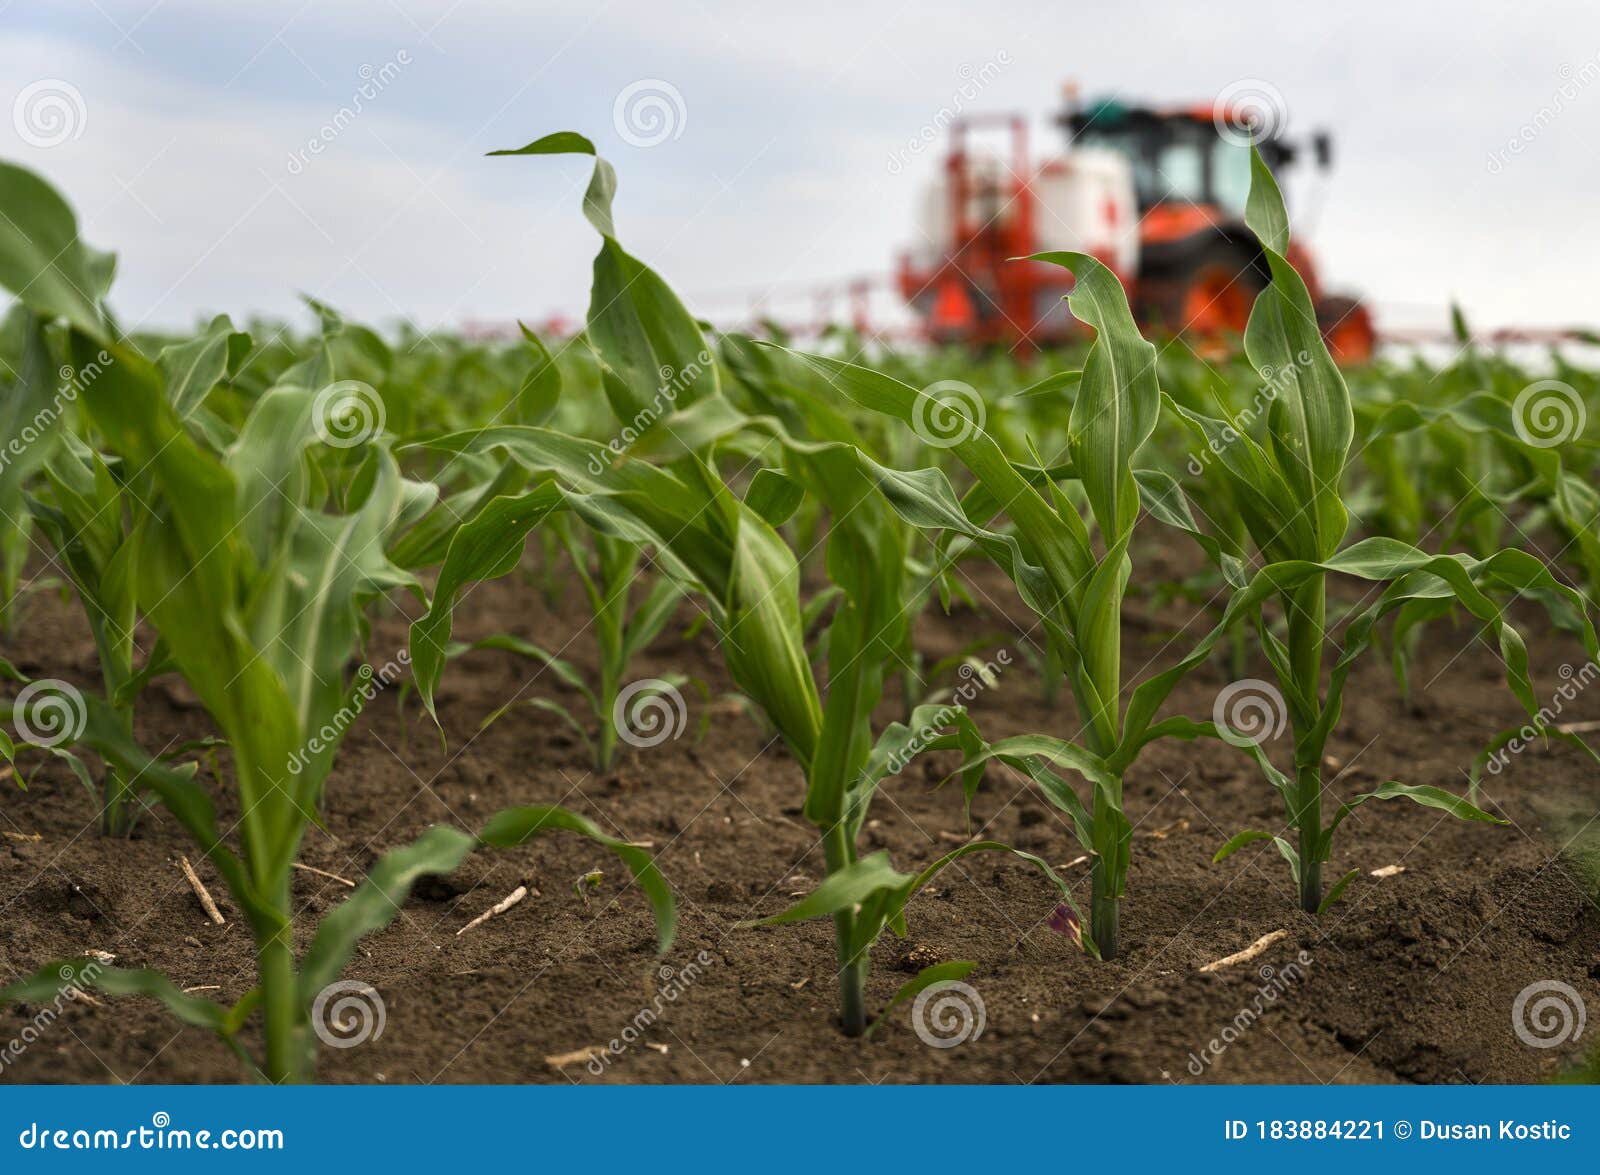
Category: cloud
[781,173]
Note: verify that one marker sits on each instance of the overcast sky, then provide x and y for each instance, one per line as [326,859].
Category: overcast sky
[180,130]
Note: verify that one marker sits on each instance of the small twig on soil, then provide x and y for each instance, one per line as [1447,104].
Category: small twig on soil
[201,892]
[27,836]
[344,881]
[575,1057]
[499,907]
[1578,727]
[1388,871]
[1075,862]
[1167,830]
[203,987]
[1249,952]
[802,983]
[659,1048]
[957,838]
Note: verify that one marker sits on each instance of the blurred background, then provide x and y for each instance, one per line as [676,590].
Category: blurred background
[797,140]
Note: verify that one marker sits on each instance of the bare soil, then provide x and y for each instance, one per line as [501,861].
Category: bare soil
[1412,977]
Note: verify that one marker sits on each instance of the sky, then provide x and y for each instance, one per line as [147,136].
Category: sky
[790,155]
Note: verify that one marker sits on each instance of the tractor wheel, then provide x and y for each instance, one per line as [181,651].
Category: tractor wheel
[1208,295]
[1347,328]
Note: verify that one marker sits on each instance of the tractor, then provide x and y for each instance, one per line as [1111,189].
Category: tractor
[1158,195]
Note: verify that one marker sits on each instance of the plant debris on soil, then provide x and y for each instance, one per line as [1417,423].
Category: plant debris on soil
[1412,977]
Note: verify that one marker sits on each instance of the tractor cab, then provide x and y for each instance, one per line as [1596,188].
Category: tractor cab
[1177,156]
[1200,267]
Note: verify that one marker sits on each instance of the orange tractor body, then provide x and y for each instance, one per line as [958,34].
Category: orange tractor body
[1157,195]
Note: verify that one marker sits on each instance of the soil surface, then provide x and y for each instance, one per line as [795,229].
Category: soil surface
[1412,977]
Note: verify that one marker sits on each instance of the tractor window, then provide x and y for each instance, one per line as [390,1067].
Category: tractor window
[1230,174]
[1181,172]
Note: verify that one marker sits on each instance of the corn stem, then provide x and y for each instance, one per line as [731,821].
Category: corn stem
[852,964]
[280,998]
[1307,615]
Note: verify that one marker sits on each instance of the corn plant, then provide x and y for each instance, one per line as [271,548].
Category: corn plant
[254,565]
[624,623]
[727,550]
[1074,584]
[1286,475]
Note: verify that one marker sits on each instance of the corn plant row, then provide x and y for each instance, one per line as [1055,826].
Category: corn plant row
[254,504]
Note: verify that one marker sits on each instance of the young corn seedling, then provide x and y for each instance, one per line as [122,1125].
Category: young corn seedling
[1070,562]
[1286,476]
[254,566]
[727,551]
[624,623]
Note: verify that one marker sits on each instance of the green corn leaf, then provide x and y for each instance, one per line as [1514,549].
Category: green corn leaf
[1118,399]
[774,496]
[57,980]
[193,367]
[486,547]
[1030,754]
[1251,836]
[650,617]
[1424,794]
[651,346]
[541,386]
[42,260]
[844,889]
[924,979]
[877,892]
[560,711]
[516,826]
[1063,555]
[1336,891]
[376,902]
[566,672]
[1309,421]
